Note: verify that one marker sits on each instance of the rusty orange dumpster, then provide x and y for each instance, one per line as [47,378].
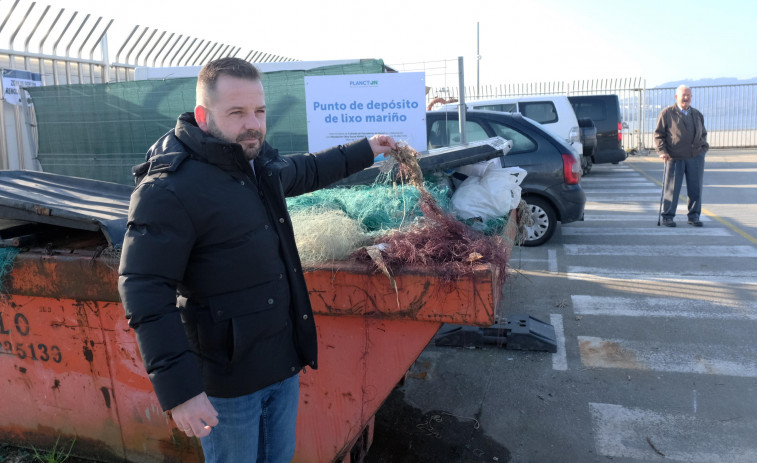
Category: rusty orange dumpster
[71,369]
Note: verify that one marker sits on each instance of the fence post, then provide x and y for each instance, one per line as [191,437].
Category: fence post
[642,114]
[461,105]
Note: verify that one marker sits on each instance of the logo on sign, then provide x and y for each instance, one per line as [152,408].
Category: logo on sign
[363,83]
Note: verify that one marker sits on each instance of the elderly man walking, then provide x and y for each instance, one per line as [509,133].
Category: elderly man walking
[681,141]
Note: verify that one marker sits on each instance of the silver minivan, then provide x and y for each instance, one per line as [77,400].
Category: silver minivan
[554,112]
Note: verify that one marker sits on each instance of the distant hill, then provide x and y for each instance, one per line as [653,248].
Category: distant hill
[706,82]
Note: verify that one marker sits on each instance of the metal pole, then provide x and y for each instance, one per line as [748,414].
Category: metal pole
[478,61]
[642,116]
[4,154]
[461,104]
[105,59]
[19,133]
[30,126]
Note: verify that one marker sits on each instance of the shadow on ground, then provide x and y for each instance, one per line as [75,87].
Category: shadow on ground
[403,434]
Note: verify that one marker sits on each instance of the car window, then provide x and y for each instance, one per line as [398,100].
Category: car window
[593,111]
[543,112]
[473,132]
[521,142]
[504,107]
[447,132]
[438,135]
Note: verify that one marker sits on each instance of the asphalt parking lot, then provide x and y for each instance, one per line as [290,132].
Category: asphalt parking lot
[657,353]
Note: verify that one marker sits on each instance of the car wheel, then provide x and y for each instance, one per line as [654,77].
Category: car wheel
[588,132]
[544,221]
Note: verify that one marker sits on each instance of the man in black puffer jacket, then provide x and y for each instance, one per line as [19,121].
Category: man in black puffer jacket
[210,277]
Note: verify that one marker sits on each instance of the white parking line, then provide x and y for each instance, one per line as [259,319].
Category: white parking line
[590,217]
[644,307]
[552,260]
[559,358]
[620,175]
[590,206]
[699,358]
[660,250]
[646,198]
[631,273]
[601,275]
[612,181]
[648,435]
[605,191]
[615,181]
[617,174]
[578,230]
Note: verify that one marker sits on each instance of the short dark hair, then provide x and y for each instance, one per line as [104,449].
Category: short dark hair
[229,66]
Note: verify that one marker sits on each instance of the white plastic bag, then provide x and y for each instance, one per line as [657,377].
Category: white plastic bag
[491,195]
[479,169]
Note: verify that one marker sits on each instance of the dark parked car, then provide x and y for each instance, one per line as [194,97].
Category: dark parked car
[604,111]
[552,185]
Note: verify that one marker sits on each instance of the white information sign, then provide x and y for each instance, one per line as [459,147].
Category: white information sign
[344,108]
[14,79]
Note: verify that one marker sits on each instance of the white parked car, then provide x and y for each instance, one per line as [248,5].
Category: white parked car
[554,112]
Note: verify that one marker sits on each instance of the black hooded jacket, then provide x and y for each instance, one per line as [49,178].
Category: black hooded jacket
[210,278]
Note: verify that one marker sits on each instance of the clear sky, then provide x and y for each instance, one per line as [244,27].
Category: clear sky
[520,41]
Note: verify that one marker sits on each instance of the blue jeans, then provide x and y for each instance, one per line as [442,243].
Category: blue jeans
[259,427]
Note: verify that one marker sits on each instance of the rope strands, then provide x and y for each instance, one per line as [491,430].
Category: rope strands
[440,243]
[326,235]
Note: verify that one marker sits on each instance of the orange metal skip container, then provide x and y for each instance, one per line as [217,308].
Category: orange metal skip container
[70,367]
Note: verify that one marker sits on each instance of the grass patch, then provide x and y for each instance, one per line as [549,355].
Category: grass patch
[55,455]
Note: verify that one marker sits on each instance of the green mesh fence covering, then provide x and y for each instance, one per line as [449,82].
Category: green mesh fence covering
[100,131]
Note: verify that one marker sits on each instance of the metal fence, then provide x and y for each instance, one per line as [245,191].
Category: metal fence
[72,48]
[730,111]
[59,47]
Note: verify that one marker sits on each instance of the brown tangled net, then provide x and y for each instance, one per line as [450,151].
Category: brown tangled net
[408,169]
[438,241]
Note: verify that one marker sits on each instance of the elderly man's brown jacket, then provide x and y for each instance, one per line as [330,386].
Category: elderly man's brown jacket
[669,135]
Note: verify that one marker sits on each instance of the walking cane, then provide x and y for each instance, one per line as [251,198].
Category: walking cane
[662,193]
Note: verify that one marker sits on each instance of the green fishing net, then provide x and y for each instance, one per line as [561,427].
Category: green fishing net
[377,208]
[7,256]
[383,206]
[330,224]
